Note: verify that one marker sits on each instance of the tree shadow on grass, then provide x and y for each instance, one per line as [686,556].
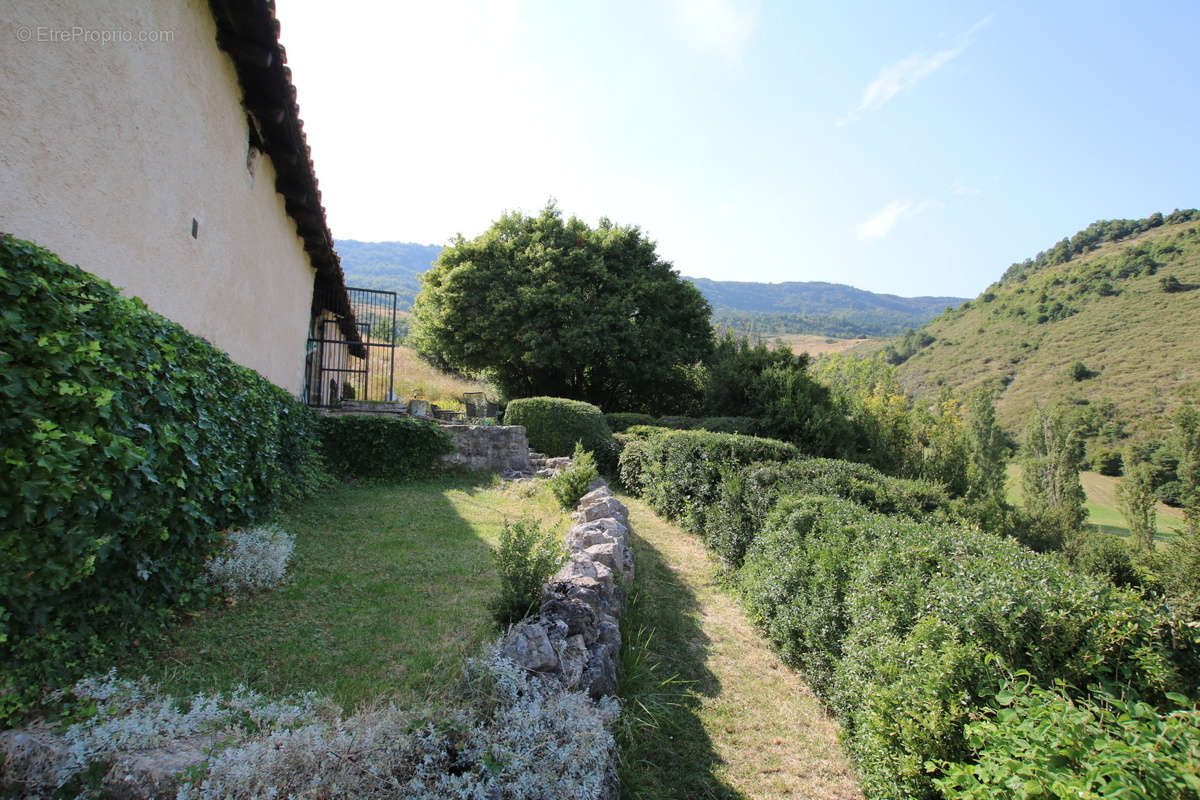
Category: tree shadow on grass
[666,752]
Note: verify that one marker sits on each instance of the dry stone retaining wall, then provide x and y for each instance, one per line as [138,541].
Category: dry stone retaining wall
[495,448]
[575,636]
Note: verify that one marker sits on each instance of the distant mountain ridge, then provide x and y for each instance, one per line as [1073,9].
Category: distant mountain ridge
[830,309]
[392,266]
[813,297]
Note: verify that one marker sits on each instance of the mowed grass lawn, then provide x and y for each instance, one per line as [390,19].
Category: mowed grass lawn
[1104,511]
[386,595]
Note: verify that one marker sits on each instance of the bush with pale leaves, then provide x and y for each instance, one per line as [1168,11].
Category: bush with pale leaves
[515,735]
[252,559]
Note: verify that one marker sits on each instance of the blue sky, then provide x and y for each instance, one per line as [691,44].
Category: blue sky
[916,151]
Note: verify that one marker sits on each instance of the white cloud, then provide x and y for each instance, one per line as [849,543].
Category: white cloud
[960,189]
[721,25]
[907,73]
[882,223]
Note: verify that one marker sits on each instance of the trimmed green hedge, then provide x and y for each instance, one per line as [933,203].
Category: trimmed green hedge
[379,446]
[679,472]
[128,444]
[621,420]
[907,629]
[745,426]
[746,496]
[555,424]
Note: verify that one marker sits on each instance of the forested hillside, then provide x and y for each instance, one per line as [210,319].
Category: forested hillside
[1108,320]
[394,266]
[752,309]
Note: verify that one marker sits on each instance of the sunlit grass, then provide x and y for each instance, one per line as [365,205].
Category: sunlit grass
[1102,506]
[386,595]
[816,345]
[412,377]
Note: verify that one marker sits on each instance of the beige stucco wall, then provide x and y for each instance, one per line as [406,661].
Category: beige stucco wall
[108,150]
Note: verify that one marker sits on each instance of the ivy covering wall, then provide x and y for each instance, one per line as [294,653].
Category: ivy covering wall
[127,445]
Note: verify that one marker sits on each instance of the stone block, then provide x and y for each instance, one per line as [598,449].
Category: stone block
[528,645]
[606,507]
[594,495]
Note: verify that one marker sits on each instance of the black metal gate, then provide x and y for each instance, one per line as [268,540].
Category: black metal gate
[351,355]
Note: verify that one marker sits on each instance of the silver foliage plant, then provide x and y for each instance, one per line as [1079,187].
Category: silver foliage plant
[253,559]
[515,736]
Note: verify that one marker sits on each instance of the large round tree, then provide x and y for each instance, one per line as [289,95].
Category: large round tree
[544,306]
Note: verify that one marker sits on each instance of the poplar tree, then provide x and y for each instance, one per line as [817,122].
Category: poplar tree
[1050,472]
[989,452]
[1135,495]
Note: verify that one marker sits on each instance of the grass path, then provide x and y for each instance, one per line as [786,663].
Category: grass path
[741,725]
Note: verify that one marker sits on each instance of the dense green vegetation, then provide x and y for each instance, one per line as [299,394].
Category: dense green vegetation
[525,557]
[764,325]
[1052,745]
[757,310]
[375,446]
[1092,322]
[622,421]
[867,529]
[547,306]
[555,425]
[128,445]
[907,626]
[571,484]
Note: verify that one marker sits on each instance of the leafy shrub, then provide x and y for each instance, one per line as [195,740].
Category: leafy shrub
[382,446]
[251,559]
[632,454]
[526,558]
[1170,284]
[745,426]
[554,425]
[571,484]
[1042,534]
[128,443]
[1105,555]
[678,423]
[1079,372]
[644,431]
[509,734]
[1171,493]
[1107,462]
[795,408]
[621,420]
[1052,743]
[680,472]
[774,387]
[906,627]
[747,495]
